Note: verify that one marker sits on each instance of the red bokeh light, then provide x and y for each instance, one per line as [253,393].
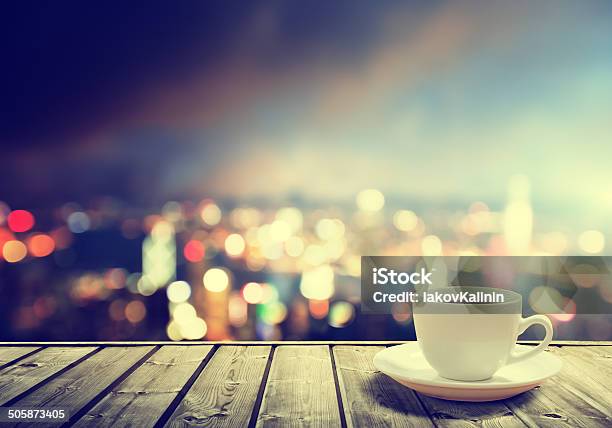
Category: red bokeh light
[20,221]
[194,251]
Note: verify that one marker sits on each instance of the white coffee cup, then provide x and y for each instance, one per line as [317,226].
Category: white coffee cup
[471,341]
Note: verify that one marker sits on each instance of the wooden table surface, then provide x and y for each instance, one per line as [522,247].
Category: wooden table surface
[278,384]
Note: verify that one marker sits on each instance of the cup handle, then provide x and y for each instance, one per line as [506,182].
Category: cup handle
[542,320]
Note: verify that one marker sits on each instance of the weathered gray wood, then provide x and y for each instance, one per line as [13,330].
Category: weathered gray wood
[603,350]
[144,396]
[563,401]
[371,399]
[75,388]
[596,361]
[20,377]
[225,392]
[10,353]
[550,405]
[300,390]
[462,414]
[446,413]
[578,391]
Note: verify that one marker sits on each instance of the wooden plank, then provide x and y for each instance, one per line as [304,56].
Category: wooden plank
[602,350]
[300,390]
[595,361]
[370,398]
[550,405]
[143,397]
[11,353]
[566,400]
[20,377]
[225,392]
[580,380]
[77,387]
[554,404]
[446,413]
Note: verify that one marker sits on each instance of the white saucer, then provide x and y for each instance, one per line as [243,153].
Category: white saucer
[407,365]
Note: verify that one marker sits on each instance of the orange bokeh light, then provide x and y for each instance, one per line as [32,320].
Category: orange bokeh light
[135,311]
[41,245]
[318,308]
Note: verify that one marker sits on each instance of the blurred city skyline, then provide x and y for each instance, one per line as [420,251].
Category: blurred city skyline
[266,146]
[436,103]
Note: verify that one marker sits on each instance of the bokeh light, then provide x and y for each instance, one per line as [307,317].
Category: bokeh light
[145,286]
[592,241]
[294,246]
[135,311]
[341,314]
[330,229]
[183,313]
[172,211]
[237,310]
[115,278]
[78,222]
[20,221]
[159,254]
[272,313]
[370,200]
[210,213]
[270,293]
[279,231]
[543,299]
[431,246]
[253,293]
[194,329]
[14,251]
[318,283]
[194,251]
[173,331]
[405,220]
[178,291]
[292,217]
[234,245]
[116,310]
[318,308]
[41,245]
[216,279]
[401,313]
[315,255]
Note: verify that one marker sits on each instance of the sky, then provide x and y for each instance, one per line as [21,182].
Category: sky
[429,101]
